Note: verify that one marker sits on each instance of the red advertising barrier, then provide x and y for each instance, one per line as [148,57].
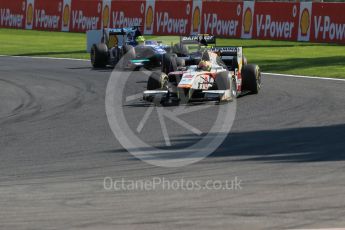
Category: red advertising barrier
[171,17]
[276,21]
[328,22]
[85,15]
[222,18]
[126,13]
[299,21]
[12,14]
[47,15]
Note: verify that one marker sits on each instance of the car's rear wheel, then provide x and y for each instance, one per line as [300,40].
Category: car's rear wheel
[251,77]
[168,63]
[99,55]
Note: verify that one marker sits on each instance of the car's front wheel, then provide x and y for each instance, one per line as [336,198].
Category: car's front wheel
[157,81]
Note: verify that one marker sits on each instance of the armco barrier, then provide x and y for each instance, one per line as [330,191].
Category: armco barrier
[304,21]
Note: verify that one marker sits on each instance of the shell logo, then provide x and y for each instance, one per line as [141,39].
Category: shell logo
[305,22]
[105,16]
[247,20]
[29,15]
[196,19]
[65,15]
[149,18]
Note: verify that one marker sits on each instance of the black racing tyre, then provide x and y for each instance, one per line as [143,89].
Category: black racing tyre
[157,80]
[181,50]
[168,63]
[99,55]
[180,62]
[223,81]
[251,78]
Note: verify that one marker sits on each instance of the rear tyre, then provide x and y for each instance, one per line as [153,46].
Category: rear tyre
[99,55]
[168,63]
[251,77]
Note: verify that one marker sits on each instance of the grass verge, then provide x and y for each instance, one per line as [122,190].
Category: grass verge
[313,59]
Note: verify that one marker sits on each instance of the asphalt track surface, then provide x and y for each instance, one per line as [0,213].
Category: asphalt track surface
[56,147]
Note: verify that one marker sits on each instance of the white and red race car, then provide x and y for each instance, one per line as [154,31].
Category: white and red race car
[227,77]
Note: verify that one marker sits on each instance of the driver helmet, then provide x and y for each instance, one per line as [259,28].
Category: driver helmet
[140,39]
[204,65]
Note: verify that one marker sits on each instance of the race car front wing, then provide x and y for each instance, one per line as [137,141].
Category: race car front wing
[164,96]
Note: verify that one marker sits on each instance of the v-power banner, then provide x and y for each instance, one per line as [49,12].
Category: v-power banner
[295,21]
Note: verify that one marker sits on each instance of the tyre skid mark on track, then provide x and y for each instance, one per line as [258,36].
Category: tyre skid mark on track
[74,103]
[27,107]
[30,108]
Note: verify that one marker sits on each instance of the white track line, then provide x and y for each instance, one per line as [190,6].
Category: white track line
[320,229]
[308,77]
[273,74]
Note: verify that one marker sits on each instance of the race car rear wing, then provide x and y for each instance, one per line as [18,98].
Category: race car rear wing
[226,50]
[110,36]
[228,54]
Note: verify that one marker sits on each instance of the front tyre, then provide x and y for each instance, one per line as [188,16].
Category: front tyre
[157,81]
[251,77]
[223,81]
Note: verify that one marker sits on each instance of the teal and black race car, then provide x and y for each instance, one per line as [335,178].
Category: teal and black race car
[125,48]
